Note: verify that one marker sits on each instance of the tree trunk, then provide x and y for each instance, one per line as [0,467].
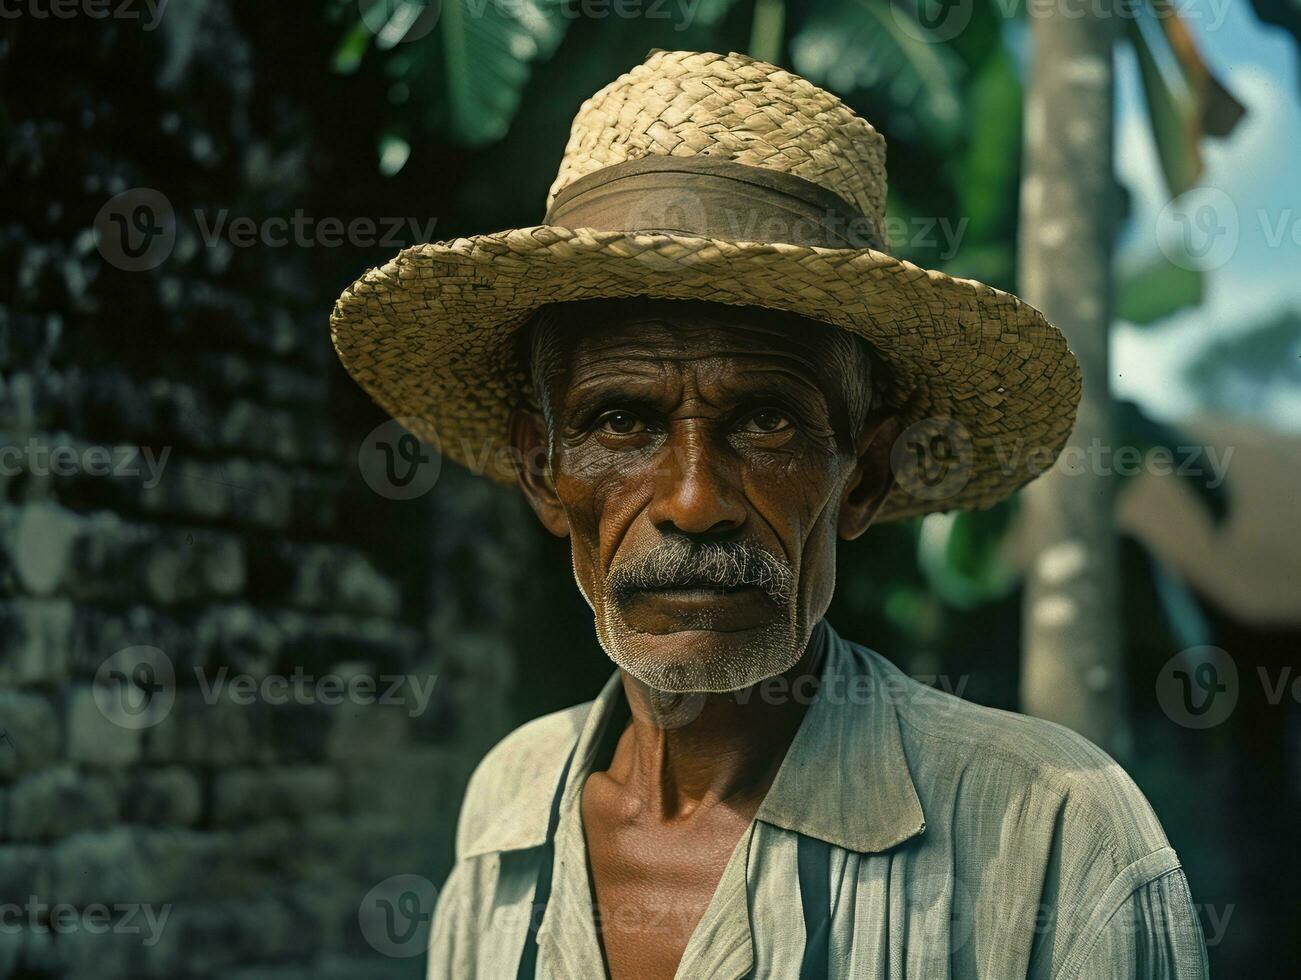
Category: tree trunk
[1071,670]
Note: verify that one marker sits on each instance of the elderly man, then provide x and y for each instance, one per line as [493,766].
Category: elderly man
[704,369]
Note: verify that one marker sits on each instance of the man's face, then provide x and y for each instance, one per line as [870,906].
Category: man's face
[699,460]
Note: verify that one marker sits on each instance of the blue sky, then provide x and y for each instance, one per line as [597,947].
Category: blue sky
[1252,180]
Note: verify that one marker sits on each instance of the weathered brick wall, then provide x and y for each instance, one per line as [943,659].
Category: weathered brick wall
[228,827]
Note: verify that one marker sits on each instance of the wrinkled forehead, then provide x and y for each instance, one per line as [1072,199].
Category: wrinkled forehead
[573,341]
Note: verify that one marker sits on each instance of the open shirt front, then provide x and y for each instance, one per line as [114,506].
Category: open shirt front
[964,842]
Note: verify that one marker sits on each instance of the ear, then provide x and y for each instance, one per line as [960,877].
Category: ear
[528,439]
[873,476]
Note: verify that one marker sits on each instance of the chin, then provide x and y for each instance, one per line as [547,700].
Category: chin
[699,660]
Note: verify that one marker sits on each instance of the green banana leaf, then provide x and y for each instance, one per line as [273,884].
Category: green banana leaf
[476,60]
[861,45]
[960,554]
[1185,102]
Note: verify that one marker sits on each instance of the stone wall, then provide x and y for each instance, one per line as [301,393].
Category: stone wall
[196,577]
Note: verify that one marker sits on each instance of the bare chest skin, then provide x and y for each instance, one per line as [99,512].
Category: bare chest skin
[654,878]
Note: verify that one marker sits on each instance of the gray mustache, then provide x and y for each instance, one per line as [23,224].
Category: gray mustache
[680,563]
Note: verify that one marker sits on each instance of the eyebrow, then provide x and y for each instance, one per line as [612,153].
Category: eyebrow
[586,394]
[746,385]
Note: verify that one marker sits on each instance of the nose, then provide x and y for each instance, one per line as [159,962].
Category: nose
[695,489]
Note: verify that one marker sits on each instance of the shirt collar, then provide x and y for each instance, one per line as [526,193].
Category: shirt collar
[845,778]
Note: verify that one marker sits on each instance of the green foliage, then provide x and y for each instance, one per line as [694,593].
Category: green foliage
[469,72]
[488,49]
[766,30]
[1185,101]
[849,45]
[988,193]
[990,167]
[961,555]
[1169,108]
[1157,290]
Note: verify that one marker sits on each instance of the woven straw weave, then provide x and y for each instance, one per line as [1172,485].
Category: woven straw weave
[430,334]
[758,114]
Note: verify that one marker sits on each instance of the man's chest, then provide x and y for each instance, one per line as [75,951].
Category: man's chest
[653,882]
[898,915]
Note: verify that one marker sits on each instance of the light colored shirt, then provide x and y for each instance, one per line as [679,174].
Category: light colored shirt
[965,842]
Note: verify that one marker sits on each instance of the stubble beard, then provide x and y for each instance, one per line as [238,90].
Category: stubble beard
[715,665]
[719,661]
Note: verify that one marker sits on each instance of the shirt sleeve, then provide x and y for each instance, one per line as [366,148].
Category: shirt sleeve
[1153,934]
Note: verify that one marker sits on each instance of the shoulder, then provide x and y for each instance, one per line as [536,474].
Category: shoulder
[508,798]
[988,757]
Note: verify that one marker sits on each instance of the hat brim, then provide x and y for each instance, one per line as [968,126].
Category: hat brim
[987,387]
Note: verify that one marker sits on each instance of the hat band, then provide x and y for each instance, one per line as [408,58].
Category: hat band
[706,197]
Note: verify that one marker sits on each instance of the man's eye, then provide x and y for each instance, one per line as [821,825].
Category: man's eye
[767,420]
[621,423]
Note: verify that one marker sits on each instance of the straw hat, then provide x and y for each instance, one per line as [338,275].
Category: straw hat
[718,177]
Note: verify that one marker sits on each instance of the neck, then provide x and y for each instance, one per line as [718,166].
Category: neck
[682,751]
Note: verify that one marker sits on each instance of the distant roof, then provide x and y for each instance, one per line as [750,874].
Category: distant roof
[1250,565]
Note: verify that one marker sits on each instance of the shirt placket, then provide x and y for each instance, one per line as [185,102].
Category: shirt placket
[722,945]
